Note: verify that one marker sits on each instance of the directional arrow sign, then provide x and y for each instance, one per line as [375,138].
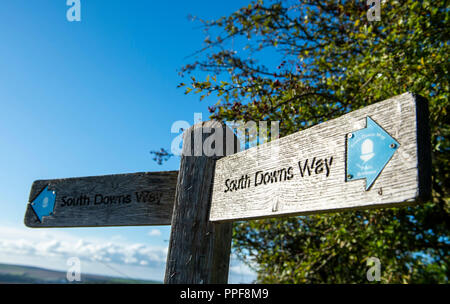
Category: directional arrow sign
[376,156]
[110,200]
[44,203]
[368,152]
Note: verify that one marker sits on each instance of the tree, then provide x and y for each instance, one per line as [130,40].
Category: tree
[302,63]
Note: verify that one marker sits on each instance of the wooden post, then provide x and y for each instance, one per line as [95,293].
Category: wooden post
[199,251]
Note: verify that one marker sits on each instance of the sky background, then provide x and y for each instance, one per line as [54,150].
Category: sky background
[92,98]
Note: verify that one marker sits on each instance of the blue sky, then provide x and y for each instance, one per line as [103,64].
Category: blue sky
[92,98]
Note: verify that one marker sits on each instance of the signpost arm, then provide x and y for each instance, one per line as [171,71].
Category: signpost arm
[199,250]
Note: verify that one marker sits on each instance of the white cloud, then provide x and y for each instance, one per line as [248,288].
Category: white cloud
[242,270]
[47,248]
[154,232]
[15,241]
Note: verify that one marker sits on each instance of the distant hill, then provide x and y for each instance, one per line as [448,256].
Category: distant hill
[17,274]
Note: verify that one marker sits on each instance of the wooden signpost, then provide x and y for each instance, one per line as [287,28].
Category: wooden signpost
[111,200]
[373,157]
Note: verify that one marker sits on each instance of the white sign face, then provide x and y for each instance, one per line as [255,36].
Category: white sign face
[373,157]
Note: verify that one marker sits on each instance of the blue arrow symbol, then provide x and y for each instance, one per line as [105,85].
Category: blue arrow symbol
[368,152]
[44,203]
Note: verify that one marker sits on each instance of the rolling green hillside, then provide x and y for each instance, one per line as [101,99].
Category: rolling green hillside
[16,274]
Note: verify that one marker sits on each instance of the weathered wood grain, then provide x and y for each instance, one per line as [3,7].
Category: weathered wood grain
[404,180]
[134,199]
[199,251]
